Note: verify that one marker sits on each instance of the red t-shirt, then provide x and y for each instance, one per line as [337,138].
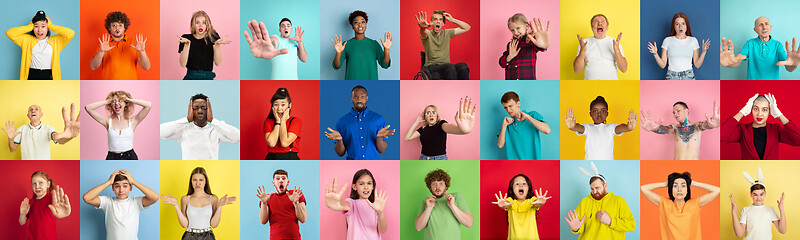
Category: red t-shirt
[294,127]
[282,217]
[41,222]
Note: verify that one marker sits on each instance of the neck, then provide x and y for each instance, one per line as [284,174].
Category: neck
[200,124]
[36,123]
[680,36]
[756,125]
[685,122]
[199,35]
[765,39]
[679,201]
[598,36]
[199,193]
[360,36]
[118,39]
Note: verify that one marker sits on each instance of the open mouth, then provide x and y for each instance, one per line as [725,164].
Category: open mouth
[281,187]
[200,30]
[365,193]
[286,32]
[759,119]
[521,192]
[600,30]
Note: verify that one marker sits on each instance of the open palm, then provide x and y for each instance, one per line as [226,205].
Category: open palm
[465,117]
[333,199]
[261,44]
[380,201]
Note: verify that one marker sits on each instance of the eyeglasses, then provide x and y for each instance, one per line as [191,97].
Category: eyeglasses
[117,101]
[430,113]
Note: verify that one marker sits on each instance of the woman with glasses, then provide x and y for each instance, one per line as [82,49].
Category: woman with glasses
[433,133]
[120,123]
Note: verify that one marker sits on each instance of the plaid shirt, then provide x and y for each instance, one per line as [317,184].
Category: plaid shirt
[524,65]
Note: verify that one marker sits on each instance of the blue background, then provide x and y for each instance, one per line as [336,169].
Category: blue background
[303,174]
[271,12]
[656,20]
[19,13]
[539,96]
[384,99]
[224,97]
[384,16]
[622,177]
[96,172]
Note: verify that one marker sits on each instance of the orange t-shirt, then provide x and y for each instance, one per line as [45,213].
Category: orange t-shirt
[679,222]
[120,62]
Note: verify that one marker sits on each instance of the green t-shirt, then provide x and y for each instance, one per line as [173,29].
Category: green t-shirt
[443,223]
[361,59]
[437,48]
[523,140]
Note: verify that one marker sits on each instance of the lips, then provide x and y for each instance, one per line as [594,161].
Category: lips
[759,119]
[599,30]
[200,30]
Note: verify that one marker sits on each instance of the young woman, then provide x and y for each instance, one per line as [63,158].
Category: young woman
[363,209]
[120,123]
[363,52]
[199,210]
[528,39]
[599,136]
[43,210]
[203,48]
[758,219]
[680,213]
[281,130]
[434,130]
[759,140]
[41,52]
[522,207]
[680,50]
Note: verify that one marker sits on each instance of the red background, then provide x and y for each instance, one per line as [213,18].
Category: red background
[735,93]
[255,107]
[463,48]
[495,176]
[17,185]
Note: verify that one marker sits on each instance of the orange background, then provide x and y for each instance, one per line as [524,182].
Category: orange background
[657,171]
[144,16]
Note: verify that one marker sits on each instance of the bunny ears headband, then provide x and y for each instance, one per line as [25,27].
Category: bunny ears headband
[760,179]
[594,169]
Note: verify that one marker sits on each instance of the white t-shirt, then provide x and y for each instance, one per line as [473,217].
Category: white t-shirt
[759,221]
[42,55]
[680,52]
[600,63]
[599,141]
[199,143]
[35,141]
[122,217]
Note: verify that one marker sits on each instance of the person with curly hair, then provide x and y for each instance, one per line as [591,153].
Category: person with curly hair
[442,214]
[41,52]
[363,53]
[120,122]
[118,55]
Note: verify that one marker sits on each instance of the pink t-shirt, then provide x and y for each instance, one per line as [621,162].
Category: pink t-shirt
[362,220]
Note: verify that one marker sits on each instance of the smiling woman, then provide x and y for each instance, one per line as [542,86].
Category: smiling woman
[40,51]
[120,123]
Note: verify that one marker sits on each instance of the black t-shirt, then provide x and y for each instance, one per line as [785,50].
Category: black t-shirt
[760,140]
[201,54]
[433,139]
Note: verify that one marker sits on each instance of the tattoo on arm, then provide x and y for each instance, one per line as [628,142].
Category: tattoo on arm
[704,126]
[664,129]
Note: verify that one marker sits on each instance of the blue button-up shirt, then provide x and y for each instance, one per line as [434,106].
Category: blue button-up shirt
[359,132]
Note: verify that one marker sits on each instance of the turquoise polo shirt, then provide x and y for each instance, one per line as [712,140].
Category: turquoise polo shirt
[763,57]
[522,139]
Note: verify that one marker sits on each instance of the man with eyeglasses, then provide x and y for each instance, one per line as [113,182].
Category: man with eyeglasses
[519,133]
[442,214]
[117,55]
[199,133]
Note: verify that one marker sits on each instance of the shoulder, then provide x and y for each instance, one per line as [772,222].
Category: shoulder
[188,36]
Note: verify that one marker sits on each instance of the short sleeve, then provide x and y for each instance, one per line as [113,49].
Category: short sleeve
[775,216]
[138,200]
[536,115]
[666,43]
[295,126]
[746,49]
[695,44]
[743,216]
[269,124]
[422,207]
[50,131]
[585,130]
[611,128]
[461,203]
[104,202]
[781,52]
[302,199]
[18,138]
[352,206]
[451,32]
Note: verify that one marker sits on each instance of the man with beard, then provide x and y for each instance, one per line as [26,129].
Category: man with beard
[442,214]
[436,44]
[35,137]
[361,133]
[283,208]
[609,216]
[599,54]
[117,55]
[764,54]
[199,133]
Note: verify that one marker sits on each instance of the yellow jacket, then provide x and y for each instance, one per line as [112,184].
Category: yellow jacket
[621,218]
[26,41]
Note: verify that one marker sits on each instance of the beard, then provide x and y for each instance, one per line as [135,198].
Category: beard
[599,196]
[360,109]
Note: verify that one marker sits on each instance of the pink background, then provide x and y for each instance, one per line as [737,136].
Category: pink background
[658,97]
[94,138]
[175,18]
[495,35]
[387,175]
[415,95]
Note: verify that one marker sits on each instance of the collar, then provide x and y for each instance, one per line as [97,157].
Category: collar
[37,128]
[124,39]
[355,113]
[762,42]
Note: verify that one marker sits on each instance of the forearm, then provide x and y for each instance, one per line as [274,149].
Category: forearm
[22,219]
[263,213]
[465,218]
[228,133]
[284,137]
[339,148]
[61,30]
[578,128]
[216,218]
[541,126]
[90,196]
[380,144]
[706,186]
[301,52]
[461,24]
[182,219]
[386,58]
[783,119]
[61,138]
[501,138]
[15,32]
[12,146]
[699,61]
[272,137]
[337,62]
[149,194]
[144,61]
[142,103]
[661,63]
[411,131]
[578,63]
[422,220]
[169,130]
[184,58]
[737,227]
[97,60]
[381,223]
[647,191]
[300,212]
[782,221]
[95,105]
[423,33]
[622,63]
[217,54]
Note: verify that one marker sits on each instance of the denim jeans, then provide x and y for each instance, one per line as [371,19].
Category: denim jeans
[437,157]
[684,75]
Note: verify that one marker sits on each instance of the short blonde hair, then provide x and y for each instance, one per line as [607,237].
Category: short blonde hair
[438,116]
[518,18]
[124,96]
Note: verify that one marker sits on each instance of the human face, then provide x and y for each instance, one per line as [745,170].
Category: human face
[763,28]
[680,27]
[121,189]
[286,29]
[40,29]
[758,197]
[438,22]
[438,188]
[431,116]
[518,29]
[40,186]
[281,183]
[599,113]
[280,106]
[198,182]
[680,113]
[118,105]
[359,25]
[117,29]
[520,188]
[200,25]
[760,112]
[598,189]
[35,113]
[364,186]
[200,107]
[599,27]
[512,107]
[679,189]
[359,98]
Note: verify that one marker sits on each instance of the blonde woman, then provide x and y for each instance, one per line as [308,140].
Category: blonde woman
[120,123]
[200,50]
[433,132]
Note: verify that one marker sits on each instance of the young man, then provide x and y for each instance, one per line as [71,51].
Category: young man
[282,208]
[361,133]
[519,132]
[600,55]
[442,214]
[198,133]
[685,134]
[118,55]
[601,215]
[284,67]
[436,44]
[36,136]
[764,53]
[122,211]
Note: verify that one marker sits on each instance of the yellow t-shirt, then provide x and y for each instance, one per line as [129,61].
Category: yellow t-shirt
[621,218]
[522,220]
[679,222]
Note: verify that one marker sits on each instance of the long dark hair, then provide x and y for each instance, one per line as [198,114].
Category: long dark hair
[511,192]
[359,173]
[686,177]
[206,188]
[281,93]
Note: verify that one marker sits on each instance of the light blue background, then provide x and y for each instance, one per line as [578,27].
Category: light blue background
[540,96]
[384,99]
[622,177]
[19,13]
[302,13]
[737,18]
[303,174]
[94,173]
[384,16]
[224,97]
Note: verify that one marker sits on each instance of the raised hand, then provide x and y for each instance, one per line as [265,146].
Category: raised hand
[734,209]
[541,198]
[60,206]
[262,194]
[727,58]
[11,130]
[714,121]
[653,47]
[337,43]
[333,199]
[222,41]
[127,175]
[616,42]
[298,34]
[190,115]
[24,207]
[296,194]
[104,40]
[140,42]
[631,120]
[72,125]
[706,44]
[333,135]
[508,121]
[451,200]
[773,106]
[780,202]
[169,200]
[380,201]
[420,118]
[261,44]
[465,117]
[183,40]
[430,201]
[422,19]
[603,217]
[793,56]
[569,118]
[648,123]
[513,49]
[539,35]
[582,44]
[383,132]
[501,200]
[748,107]
[386,41]
[225,200]
[448,17]
[572,220]
[209,112]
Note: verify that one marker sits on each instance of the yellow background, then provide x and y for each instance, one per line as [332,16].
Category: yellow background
[622,96]
[224,179]
[623,16]
[17,96]
[779,177]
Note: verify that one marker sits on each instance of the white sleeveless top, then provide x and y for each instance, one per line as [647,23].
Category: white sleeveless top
[120,141]
[199,218]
